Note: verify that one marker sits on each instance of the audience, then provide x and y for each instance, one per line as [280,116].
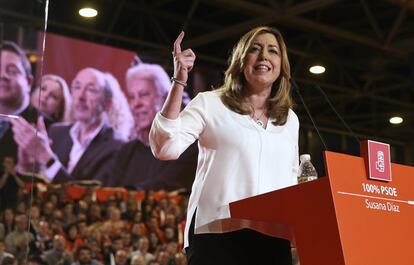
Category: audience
[42,239]
[58,255]
[8,221]
[93,120]
[18,240]
[117,233]
[154,238]
[84,257]
[10,182]
[143,246]
[138,260]
[121,257]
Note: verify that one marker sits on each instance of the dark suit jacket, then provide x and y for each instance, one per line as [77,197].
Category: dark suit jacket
[136,167]
[95,161]
[8,147]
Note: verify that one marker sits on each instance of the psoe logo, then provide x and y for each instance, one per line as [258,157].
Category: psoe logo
[377,160]
[380,163]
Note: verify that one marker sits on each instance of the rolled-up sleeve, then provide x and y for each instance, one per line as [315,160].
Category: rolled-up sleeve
[170,138]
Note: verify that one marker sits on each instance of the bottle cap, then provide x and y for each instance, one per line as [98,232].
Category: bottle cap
[305,157]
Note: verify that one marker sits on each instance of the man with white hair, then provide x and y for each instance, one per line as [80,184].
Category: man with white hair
[58,254]
[82,150]
[84,254]
[16,241]
[135,166]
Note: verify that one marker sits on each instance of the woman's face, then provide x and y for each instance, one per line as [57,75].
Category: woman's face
[21,207]
[51,98]
[138,216]
[54,199]
[8,216]
[73,232]
[262,62]
[126,239]
[68,209]
[35,212]
[153,238]
[136,230]
[115,215]
[48,208]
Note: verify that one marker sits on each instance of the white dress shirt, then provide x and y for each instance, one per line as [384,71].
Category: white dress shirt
[237,158]
[77,150]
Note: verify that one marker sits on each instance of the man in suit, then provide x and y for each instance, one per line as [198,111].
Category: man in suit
[135,165]
[82,150]
[16,241]
[58,255]
[15,82]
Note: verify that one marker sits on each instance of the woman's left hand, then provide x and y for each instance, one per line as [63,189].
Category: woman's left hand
[183,60]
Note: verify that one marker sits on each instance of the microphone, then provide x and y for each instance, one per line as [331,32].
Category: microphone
[296,88]
[331,106]
[337,114]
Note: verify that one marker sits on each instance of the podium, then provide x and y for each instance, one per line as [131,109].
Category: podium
[342,219]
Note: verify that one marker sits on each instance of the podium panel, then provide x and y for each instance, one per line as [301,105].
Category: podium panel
[375,218]
[342,219]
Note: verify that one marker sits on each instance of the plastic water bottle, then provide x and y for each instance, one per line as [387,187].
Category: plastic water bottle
[307,171]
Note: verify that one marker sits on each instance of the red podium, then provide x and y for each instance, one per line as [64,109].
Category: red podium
[342,219]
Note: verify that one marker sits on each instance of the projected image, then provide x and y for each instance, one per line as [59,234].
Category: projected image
[84,117]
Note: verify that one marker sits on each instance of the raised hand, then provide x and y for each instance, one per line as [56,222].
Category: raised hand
[183,60]
[9,165]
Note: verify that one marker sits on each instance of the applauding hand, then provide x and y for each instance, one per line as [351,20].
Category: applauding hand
[32,141]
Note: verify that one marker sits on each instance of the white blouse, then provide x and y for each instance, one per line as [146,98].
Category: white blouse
[237,158]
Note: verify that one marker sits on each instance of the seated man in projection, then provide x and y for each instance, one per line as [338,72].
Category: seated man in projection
[81,150]
[15,83]
[135,165]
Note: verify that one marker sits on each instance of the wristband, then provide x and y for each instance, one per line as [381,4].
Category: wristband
[51,161]
[174,80]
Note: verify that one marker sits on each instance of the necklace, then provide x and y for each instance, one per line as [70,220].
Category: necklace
[258,120]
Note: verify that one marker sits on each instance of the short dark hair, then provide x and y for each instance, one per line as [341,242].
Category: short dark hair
[14,48]
[36,260]
[8,261]
[116,238]
[83,247]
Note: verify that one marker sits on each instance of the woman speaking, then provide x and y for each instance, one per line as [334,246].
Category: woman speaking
[248,145]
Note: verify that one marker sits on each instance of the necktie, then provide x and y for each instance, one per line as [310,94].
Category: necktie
[4,125]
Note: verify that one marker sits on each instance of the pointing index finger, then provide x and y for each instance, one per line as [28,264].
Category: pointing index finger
[177,43]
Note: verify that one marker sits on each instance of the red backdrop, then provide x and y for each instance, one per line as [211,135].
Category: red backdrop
[66,56]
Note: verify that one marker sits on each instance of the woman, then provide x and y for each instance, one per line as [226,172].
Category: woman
[53,98]
[120,116]
[10,184]
[248,144]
